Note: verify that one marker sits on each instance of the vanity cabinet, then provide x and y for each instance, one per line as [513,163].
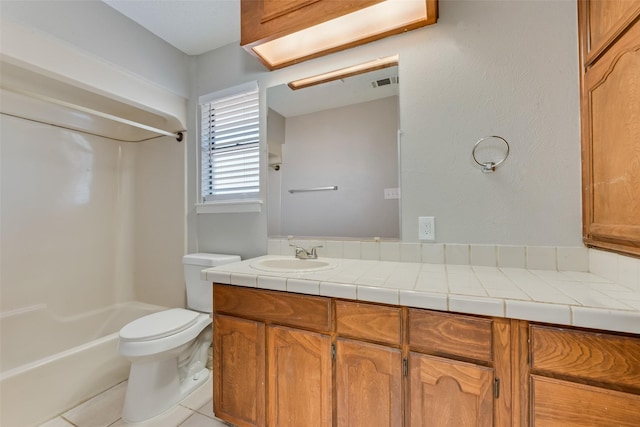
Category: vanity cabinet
[272,358]
[459,370]
[282,359]
[610,107]
[583,378]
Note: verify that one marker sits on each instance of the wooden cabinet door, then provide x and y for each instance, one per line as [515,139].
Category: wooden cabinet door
[448,393]
[238,371]
[604,22]
[368,385]
[610,111]
[299,378]
[557,403]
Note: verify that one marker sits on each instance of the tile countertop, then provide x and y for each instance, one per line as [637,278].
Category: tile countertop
[561,297]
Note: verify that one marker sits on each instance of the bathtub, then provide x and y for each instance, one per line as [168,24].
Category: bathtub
[49,364]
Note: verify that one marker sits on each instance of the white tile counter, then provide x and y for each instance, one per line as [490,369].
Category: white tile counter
[562,297]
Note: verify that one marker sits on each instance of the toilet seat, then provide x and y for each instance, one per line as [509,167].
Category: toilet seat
[161,332]
[159,325]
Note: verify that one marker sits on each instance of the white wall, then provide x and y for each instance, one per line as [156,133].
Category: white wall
[354,148]
[487,67]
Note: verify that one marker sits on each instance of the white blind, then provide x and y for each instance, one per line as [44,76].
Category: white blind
[229,142]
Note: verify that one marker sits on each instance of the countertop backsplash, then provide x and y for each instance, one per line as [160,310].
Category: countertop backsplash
[617,268]
[531,257]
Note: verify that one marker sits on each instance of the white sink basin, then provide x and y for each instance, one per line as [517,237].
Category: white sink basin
[292,265]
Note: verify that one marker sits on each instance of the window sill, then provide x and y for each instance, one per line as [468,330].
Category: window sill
[229,206]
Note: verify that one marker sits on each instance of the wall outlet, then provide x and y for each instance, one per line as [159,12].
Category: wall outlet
[427,228]
[392,193]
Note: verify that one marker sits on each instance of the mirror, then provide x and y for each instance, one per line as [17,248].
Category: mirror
[333,157]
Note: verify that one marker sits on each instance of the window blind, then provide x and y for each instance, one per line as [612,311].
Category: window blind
[229,141]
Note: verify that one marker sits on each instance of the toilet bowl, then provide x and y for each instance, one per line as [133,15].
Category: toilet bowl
[168,350]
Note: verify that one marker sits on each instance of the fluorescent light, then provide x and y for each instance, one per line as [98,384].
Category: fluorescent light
[381,19]
[342,73]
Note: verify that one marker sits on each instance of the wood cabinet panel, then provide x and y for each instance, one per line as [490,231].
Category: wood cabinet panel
[303,311]
[269,19]
[368,385]
[614,92]
[610,113]
[454,334]
[557,403]
[299,382]
[272,9]
[606,18]
[446,393]
[266,20]
[238,370]
[593,356]
[369,322]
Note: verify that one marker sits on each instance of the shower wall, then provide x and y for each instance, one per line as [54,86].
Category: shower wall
[87,222]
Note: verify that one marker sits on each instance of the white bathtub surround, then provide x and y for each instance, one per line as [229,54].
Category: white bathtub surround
[577,298]
[77,355]
[88,224]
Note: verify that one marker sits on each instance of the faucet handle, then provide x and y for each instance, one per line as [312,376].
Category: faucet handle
[300,252]
[313,251]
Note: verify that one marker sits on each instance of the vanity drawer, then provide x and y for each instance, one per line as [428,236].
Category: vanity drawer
[303,311]
[589,355]
[369,322]
[454,334]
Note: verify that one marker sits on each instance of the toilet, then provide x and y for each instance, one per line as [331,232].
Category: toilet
[168,350]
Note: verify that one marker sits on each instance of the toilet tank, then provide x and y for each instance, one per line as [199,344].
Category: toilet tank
[200,292]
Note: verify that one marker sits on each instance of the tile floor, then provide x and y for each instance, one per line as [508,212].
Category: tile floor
[104,411]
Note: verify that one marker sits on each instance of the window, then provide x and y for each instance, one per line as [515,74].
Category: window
[229,145]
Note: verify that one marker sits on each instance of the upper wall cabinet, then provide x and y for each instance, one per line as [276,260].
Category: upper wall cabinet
[610,116]
[284,32]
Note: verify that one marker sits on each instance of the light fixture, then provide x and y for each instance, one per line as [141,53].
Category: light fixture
[343,73]
[283,37]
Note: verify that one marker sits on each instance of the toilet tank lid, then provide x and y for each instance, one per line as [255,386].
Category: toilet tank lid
[209,260]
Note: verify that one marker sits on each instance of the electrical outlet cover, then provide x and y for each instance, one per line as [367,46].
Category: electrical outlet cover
[426,228]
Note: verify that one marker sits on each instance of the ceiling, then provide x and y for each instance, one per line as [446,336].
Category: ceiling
[192,26]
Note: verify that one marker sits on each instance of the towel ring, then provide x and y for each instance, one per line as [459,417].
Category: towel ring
[488,167]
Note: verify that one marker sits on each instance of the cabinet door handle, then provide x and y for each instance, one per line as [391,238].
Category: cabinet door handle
[496,388]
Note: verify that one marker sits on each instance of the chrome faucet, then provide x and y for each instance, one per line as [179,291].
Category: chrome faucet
[302,253]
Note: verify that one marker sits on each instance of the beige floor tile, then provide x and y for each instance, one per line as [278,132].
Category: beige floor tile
[100,411]
[199,420]
[200,396]
[172,418]
[207,409]
[57,422]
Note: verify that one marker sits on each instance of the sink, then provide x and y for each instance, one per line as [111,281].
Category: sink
[292,265]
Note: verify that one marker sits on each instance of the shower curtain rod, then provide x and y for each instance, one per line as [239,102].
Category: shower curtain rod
[178,135]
